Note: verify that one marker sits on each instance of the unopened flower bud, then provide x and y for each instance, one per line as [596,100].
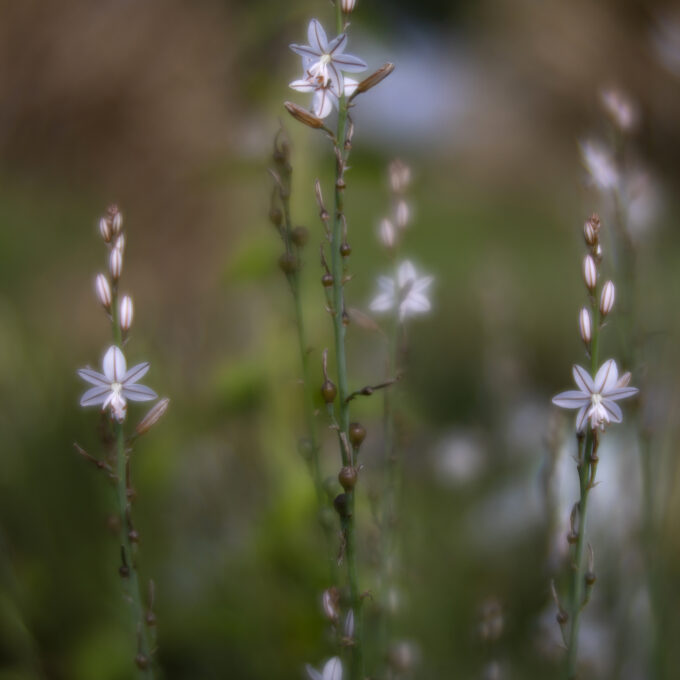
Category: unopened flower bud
[585,326]
[329,602]
[349,625]
[120,243]
[400,176]
[589,233]
[402,214]
[374,79]
[105,229]
[607,298]
[153,416]
[115,263]
[303,116]
[347,6]
[387,234]
[125,313]
[357,434]
[328,391]
[348,477]
[589,272]
[103,290]
[117,222]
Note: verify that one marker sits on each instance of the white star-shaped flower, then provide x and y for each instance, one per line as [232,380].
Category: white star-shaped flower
[406,292]
[116,384]
[595,398]
[323,63]
[332,670]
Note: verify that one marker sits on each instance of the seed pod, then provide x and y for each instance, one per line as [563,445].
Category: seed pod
[288,263]
[328,391]
[303,116]
[590,578]
[589,272]
[299,236]
[341,505]
[375,78]
[327,280]
[276,217]
[607,298]
[357,434]
[348,477]
[153,416]
[103,291]
[345,249]
[125,313]
[585,326]
[142,661]
[562,617]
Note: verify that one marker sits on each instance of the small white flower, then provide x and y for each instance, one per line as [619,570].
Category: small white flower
[116,384]
[325,61]
[595,398]
[600,165]
[332,670]
[406,292]
[325,97]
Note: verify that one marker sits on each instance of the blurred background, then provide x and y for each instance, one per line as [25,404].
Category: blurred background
[169,109]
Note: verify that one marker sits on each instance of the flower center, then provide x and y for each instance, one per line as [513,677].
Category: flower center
[325,59]
[596,400]
[116,388]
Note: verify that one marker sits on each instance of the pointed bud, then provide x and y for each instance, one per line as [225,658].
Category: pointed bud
[153,416]
[589,272]
[329,601]
[117,222]
[400,176]
[125,313]
[105,229]
[387,234]
[585,326]
[589,233]
[374,79]
[607,298]
[303,116]
[402,214]
[103,291]
[115,263]
[349,625]
[347,6]
[120,243]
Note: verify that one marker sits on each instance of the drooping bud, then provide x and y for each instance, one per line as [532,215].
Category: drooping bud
[125,313]
[374,79]
[103,291]
[303,116]
[607,298]
[347,6]
[387,234]
[116,263]
[402,214]
[585,326]
[105,229]
[153,416]
[590,272]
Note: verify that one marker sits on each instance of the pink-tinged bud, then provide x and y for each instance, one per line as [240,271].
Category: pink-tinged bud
[374,79]
[400,176]
[347,6]
[589,272]
[125,313]
[388,236]
[103,291]
[349,625]
[115,263]
[330,601]
[589,233]
[607,298]
[402,214]
[120,243]
[153,416]
[117,222]
[624,380]
[105,229]
[585,326]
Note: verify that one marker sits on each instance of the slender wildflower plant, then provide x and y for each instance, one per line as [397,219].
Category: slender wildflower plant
[111,390]
[324,65]
[599,388]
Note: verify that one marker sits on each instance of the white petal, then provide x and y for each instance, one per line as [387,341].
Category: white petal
[306,52]
[322,104]
[336,81]
[302,86]
[114,364]
[571,399]
[93,377]
[606,377]
[138,393]
[613,410]
[312,673]
[386,284]
[406,273]
[95,395]
[422,284]
[333,669]
[350,86]
[382,302]
[317,37]
[417,302]
[621,393]
[336,46]
[583,380]
[349,63]
[582,418]
[136,373]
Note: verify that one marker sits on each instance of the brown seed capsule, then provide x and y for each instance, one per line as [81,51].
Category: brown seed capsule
[348,477]
[357,434]
[327,280]
[572,538]
[328,391]
[345,249]
[276,217]
[124,571]
[133,535]
[288,263]
[150,618]
[590,578]
[345,319]
[299,236]
[142,661]
[303,115]
[341,505]
[562,617]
